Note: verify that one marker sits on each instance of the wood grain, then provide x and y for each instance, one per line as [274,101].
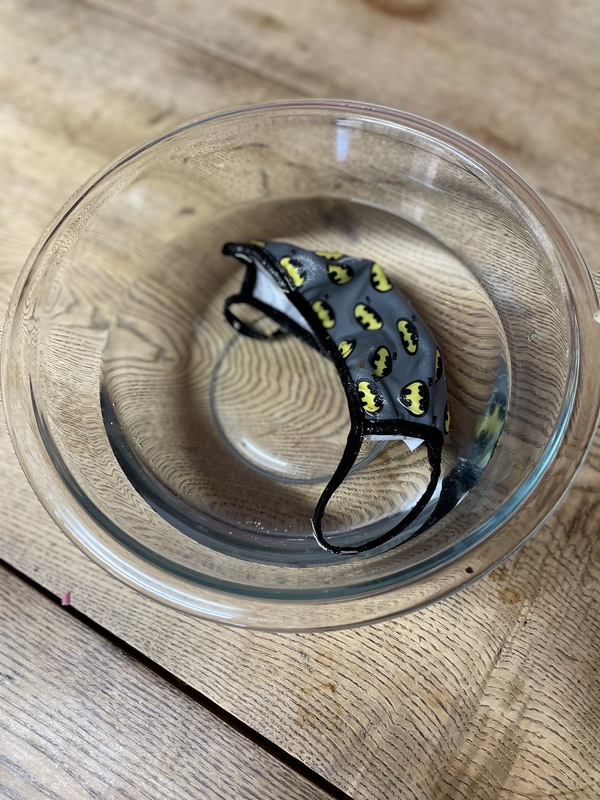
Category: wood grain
[524,79]
[81,718]
[493,694]
[416,708]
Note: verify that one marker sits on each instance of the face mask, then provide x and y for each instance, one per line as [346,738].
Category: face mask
[388,362]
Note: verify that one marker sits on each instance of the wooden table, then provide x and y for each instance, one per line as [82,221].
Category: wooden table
[492,694]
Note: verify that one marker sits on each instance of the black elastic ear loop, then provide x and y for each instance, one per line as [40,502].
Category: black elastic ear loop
[243,327]
[286,325]
[350,455]
[246,297]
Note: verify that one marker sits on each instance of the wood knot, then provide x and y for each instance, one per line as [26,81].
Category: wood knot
[510,596]
[405,8]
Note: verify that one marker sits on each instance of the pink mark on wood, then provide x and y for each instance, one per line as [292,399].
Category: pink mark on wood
[65,600]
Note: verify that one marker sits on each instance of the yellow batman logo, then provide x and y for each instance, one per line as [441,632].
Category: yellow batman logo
[439,367]
[346,346]
[369,396]
[294,272]
[258,243]
[490,425]
[328,254]
[381,361]
[324,312]
[379,280]
[339,274]
[447,420]
[367,317]
[415,398]
[409,336]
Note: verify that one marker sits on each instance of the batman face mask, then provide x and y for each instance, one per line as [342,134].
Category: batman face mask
[387,359]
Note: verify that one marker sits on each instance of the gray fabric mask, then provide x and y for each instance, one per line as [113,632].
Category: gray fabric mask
[389,363]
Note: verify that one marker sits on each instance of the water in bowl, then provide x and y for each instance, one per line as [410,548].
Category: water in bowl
[231,440]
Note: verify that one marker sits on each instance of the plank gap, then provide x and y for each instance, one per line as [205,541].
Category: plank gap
[172,36]
[190,692]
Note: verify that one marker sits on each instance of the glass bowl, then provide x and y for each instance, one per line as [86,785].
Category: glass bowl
[187,459]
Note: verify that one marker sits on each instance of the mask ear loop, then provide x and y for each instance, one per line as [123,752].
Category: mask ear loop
[348,459]
[243,327]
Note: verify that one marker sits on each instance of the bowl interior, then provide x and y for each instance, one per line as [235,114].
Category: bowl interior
[197,455]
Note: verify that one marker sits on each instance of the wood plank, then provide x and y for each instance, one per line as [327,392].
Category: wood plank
[81,718]
[523,80]
[111,84]
[492,694]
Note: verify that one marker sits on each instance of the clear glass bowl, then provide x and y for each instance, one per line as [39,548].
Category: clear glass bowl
[187,460]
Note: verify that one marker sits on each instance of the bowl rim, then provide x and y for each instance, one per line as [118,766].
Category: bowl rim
[572,434]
